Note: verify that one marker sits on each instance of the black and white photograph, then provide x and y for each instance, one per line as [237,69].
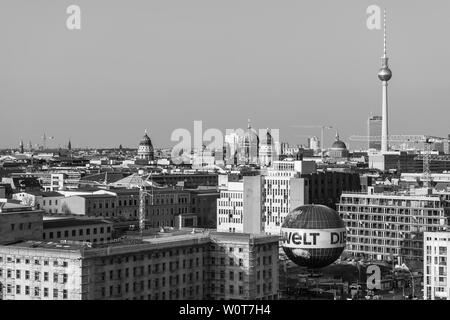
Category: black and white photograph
[226,156]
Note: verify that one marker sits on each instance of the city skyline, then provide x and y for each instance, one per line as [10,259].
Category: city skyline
[269,72]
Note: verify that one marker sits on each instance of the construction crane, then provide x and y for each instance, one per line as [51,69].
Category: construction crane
[142,196]
[426,157]
[322,130]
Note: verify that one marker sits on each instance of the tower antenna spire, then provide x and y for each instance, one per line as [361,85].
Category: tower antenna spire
[384,33]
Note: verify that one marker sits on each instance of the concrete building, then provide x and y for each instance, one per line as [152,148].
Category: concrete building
[76,229]
[49,201]
[390,225]
[204,206]
[91,205]
[435,268]
[240,206]
[184,266]
[18,223]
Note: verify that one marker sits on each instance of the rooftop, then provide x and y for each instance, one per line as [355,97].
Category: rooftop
[72,222]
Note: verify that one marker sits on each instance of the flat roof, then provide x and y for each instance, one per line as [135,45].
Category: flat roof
[43,193]
[88,196]
[72,222]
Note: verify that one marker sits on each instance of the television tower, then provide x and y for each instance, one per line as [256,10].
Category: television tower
[384,75]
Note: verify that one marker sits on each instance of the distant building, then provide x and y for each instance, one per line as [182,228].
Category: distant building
[145,149]
[402,161]
[314,144]
[267,152]
[200,266]
[48,201]
[338,149]
[435,265]
[374,132]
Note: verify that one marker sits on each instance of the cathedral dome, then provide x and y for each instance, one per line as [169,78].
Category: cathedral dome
[145,149]
[338,144]
[145,141]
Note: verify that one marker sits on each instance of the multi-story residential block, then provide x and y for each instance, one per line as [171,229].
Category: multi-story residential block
[185,266]
[284,186]
[390,225]
[435,268]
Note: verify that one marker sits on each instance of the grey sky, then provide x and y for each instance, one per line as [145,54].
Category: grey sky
[160,65]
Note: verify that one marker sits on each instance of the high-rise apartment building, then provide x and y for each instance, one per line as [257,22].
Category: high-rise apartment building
[374,124]
[435,265]
[390,225]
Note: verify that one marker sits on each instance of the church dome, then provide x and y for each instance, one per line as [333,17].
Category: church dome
[338,144]
[145,141]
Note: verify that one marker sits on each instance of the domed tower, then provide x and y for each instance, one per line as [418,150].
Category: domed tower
[145,149]
[250,146]
[338,149]
[385,74]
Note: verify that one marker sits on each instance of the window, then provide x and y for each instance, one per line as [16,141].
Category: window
[45,276]
[45,292]
[55,277]
[37,276]
[55,293]
[17,274]
[36,291]
[17,289]
[27,275]
[27,290]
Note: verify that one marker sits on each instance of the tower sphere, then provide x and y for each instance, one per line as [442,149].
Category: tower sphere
[385,74]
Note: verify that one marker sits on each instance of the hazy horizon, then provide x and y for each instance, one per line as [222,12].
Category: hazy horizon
[160,65]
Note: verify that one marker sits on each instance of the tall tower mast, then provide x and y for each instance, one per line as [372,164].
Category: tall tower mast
[385,74]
